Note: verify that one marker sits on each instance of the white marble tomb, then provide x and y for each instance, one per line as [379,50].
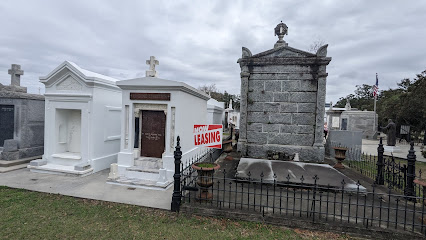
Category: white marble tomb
[155,112]
[215,112]
[82,121]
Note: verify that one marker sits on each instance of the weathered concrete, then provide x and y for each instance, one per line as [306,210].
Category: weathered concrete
[22,133]
[92,187]
[282,101]
[361,121]
[350,139]
[294,172]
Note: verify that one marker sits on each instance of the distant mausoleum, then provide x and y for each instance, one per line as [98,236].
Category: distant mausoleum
[21,120]
[352,119]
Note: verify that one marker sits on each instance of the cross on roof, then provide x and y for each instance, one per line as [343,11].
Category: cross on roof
[15,72]
[152,62]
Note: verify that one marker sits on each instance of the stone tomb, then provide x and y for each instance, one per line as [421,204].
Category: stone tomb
[155,112]
[292,172]
[21,123]
[215,112]
[283,101]
[82,133]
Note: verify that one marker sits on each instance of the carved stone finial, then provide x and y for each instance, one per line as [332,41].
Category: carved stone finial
[281,29]
[348,105]
[246,52]
[152,62]
[322,51]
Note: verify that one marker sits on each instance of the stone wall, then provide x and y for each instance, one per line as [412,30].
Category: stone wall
[363,121]
[282,102]
[349,139]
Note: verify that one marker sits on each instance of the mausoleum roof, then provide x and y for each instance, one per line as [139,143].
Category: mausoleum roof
[91,74]
[86,75]
[154,83]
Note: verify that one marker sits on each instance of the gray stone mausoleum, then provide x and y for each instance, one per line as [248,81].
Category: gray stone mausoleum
[21,120]
[282,101]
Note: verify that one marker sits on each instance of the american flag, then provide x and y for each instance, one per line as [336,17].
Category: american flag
[376,87]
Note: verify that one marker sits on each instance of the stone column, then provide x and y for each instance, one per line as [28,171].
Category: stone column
[242,141]
[319,121]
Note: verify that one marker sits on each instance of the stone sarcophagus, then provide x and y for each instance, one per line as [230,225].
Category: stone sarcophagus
[282,101]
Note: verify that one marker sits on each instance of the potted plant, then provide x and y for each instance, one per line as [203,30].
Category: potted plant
[340,155]
[205,172]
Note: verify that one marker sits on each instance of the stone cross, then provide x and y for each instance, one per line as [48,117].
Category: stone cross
[15,72]
[152,62]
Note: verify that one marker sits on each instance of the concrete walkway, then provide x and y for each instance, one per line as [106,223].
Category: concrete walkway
[92,187]
[370,147]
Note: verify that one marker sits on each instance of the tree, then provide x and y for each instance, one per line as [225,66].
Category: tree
[313,48]
[361,100]
[221,97]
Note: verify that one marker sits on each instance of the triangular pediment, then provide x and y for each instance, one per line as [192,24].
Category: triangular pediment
[284,52]
[69,83]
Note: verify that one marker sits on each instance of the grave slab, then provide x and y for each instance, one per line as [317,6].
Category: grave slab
[292,172]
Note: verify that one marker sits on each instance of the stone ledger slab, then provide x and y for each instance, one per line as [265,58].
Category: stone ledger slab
[293,171]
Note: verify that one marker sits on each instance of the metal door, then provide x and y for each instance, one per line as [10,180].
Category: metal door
[7,122]
[153,131]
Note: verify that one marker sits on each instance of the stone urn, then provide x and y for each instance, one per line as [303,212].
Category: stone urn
[205,172]
[340,155]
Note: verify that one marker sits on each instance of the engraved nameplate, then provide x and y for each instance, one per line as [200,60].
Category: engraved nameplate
[150,96]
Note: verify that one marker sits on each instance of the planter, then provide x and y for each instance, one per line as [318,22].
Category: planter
[340,155]
[205,178]
[421,182]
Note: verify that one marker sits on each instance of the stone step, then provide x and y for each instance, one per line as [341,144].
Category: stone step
[59,169]
[68,155]
[140,183]
[14,167]
[149,163]
[143,169]
[9,163]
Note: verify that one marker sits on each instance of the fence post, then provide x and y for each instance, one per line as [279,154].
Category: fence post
[380,180]
[411,171]
[177,195]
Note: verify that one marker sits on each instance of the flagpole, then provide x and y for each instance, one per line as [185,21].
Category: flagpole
[375,124]
[375,100]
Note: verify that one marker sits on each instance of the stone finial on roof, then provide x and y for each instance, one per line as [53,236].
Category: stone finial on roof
[152,62]
[15,72]
[281,29]
[348,105]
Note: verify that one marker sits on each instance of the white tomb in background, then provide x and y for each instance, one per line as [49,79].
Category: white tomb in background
[215,112]
[155,112]
[82,122]
[233,116]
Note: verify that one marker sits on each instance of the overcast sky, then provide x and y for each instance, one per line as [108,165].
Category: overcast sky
[199,42]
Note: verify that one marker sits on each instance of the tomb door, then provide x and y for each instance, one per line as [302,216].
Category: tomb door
[153,131]
[7,122]
[344,124]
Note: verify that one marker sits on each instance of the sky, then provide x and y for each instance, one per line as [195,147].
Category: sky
[199,42]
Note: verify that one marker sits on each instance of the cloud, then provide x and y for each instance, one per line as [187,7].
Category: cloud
[200,42]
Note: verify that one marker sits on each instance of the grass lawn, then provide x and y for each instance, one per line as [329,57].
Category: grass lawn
[32,215]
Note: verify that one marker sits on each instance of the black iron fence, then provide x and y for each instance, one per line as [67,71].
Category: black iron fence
[390,171]
[356,205]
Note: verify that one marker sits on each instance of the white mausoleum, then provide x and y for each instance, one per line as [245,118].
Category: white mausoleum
[215,112]
[82,121]
[155,112]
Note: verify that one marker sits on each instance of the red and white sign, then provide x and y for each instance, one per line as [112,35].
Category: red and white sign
[208,135]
